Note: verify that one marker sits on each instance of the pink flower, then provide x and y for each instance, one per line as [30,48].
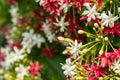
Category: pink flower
[94,72]
[99,4]
[79,3]
[114,55]
[34,69]
[105,61]
[52,6]
[114,30]
[67,1]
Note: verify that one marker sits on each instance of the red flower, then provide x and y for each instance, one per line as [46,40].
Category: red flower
[90,22]
[99,4]
[73,25]
[52,6]
[114,55]
[37,14]
[49,52]
[95,71]
[23,21]
[79,3]
[34,69]
[15,44]
[114,30]
[105,61]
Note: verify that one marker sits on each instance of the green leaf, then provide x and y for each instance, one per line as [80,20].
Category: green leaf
[116,41]
[4,13]
[2,40]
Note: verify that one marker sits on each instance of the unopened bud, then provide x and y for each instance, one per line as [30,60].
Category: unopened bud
[101,37]
[84,51]
[111,2]
[93,28]
[102,27]
[96,39]
[80,31]
[106,38]
[101,52]
[65,51]
[88,35]
[17,69]
[60,38]
[96,25]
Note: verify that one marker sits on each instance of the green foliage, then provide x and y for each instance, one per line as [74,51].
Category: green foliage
[26,6]
[116,41]
[4,13]
[2,40]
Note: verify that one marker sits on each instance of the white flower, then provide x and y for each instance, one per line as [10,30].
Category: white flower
[50,37]
[6,50]
[65,6]
[40,1]
[116,66]
[31,39]
[91,12]
[107,20]
[48,32]
[68,68]
[37,0]
[75,48]
[14,13]
[18,54]
[39,40]
[11,57]
[62,24]
[21,71]
[118,9]
[46,27]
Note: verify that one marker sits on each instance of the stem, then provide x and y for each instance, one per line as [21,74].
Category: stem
[46,45]
[87,44]
[84,54]
[106,47]
[73,14]
[111,46]
[92,35]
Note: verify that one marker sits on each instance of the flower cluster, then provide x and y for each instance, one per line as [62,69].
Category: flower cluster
[36,32]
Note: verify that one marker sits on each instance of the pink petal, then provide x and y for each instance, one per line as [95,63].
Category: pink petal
[99,4]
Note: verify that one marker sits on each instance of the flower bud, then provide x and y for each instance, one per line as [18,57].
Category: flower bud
[17,69]
[100,52]
[85,50]
[96,25]
[106,38]
[80,31]
[60,38]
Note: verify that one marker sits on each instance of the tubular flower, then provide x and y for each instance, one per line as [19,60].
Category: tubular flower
[68,68]
[95,72]
[108,20]
[115,30]
[34,69]
[91,12]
